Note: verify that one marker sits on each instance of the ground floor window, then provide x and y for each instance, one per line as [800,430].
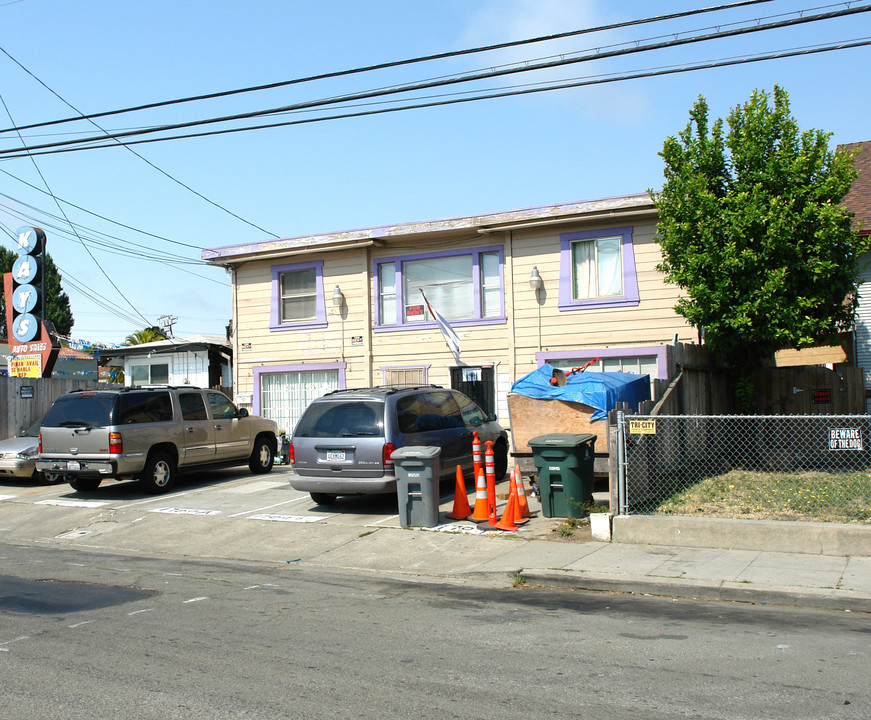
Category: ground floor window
[157,374]
[639,360]
[404,376]
[285,394]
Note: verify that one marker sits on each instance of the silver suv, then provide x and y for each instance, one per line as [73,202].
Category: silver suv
[343,442]
[150,433]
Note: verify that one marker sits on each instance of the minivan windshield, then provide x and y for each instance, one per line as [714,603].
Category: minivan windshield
[86,410]
[341,419]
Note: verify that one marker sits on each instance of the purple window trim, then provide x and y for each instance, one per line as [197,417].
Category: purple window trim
[657,351]
[425,368]
[630,295]
[273,369]
[320,321]
[476,319]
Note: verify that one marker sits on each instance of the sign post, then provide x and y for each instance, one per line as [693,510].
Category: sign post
[34,348]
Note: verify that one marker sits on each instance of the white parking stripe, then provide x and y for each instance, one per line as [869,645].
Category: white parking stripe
[73,503]
[269,507]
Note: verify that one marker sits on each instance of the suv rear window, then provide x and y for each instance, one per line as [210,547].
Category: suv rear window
[143,407]
[80,411]
[341,419]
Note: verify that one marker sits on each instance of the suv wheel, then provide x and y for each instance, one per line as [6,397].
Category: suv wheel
[84,484]
[159,473]
[323,498]
[262,457]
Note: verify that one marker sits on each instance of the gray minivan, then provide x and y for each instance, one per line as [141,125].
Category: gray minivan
[343,442]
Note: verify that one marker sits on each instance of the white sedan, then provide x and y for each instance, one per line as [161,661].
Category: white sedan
[18,456]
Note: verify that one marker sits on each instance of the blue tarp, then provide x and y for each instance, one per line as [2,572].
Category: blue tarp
[600,390]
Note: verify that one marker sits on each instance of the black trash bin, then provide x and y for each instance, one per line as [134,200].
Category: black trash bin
[565,472]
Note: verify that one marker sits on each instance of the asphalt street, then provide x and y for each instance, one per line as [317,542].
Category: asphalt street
[100,634]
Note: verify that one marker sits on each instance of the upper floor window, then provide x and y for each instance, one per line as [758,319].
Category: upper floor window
[460,286]
[298,297]
[597,269]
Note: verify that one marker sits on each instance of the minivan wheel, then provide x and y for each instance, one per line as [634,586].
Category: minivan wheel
[323,498]
[262,457]
[500,461]
[84,484]
[159,473]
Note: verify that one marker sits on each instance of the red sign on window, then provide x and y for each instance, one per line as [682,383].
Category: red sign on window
[414,311]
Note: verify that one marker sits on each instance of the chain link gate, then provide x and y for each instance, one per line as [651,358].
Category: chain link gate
[799,467]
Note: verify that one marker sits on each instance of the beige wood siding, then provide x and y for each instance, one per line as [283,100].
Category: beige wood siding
[510,345]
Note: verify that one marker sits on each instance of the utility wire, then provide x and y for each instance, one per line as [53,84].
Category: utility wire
[141,157]
[863,42]
[94,142]
[101,217]
[60,207]
[382,66]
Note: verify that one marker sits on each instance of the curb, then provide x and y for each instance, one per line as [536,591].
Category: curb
[839,600]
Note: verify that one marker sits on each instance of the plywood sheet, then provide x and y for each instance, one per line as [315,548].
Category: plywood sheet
[531,417]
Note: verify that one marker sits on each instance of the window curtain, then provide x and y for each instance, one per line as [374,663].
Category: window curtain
[447,283]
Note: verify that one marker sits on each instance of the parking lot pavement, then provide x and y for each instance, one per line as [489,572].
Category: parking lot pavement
[233,494]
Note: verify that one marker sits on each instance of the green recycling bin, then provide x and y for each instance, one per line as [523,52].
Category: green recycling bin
[565,472]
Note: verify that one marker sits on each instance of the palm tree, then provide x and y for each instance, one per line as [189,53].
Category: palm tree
[146,335]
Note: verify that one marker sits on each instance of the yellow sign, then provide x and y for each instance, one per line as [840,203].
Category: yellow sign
[642,427]
[25,366]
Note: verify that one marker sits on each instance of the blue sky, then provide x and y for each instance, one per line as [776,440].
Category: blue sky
[442,162]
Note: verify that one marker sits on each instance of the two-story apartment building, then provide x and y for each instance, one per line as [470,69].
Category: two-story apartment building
[562,284]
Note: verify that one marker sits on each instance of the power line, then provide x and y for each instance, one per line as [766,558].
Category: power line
[101,217]
[797,52]
[380,66]
[94,142]
[141,157]
[60,207]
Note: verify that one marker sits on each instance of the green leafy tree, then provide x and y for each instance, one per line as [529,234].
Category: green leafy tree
[752,230]
[56,301]
[146,335]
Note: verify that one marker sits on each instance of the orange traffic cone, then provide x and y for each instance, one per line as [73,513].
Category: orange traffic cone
[490,470]
[512,494]
[461,508]
[507,522]
[480,514]
[522,502]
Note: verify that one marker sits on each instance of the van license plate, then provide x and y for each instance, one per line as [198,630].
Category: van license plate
[74,465]
[336,456]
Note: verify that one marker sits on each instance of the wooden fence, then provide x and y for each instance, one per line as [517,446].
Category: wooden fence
[698,386]
[23,401]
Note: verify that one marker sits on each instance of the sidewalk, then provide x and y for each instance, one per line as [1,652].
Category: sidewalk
[832,576]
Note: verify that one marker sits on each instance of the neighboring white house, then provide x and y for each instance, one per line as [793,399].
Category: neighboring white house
[858,201]
[200,360]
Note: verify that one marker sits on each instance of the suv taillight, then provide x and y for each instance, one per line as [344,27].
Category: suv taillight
[116,446]
[40,443]
[386,452]
[291,458]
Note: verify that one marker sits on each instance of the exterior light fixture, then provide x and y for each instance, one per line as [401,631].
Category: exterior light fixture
[535,281]
[338,298]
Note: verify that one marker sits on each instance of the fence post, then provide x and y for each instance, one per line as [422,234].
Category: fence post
[621,465]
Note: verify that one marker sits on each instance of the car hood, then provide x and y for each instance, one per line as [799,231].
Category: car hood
[18,444]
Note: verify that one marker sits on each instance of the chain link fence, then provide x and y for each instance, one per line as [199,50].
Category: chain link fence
[778,467]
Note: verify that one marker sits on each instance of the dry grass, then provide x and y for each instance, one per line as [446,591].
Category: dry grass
[807,496]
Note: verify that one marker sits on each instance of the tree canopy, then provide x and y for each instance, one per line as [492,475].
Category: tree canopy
[752,229]
[56,301]
[146,335]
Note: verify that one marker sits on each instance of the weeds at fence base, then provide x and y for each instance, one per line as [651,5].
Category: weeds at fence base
[804,496]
